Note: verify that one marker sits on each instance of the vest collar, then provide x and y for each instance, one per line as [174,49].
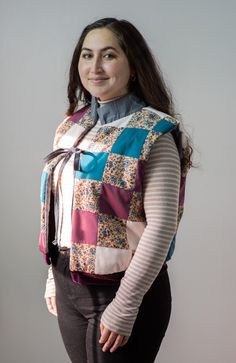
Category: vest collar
[114,110]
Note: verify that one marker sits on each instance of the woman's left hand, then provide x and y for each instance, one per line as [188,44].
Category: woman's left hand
[111,339]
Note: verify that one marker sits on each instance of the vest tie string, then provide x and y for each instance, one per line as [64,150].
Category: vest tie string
[65,154]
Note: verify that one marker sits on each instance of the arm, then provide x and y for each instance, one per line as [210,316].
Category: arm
[161,195]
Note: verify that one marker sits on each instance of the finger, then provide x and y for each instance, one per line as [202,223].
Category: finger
[50,305]
[48,302]
[112,337]
[53,304]
[117,343]
[124,341]
[104,336]
[101,328]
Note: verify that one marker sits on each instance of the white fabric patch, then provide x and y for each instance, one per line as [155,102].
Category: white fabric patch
[134,233]
[122,122]
[110,260]
[89,137]
[68,139]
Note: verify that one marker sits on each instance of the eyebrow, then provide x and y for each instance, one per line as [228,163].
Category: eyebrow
[103,49]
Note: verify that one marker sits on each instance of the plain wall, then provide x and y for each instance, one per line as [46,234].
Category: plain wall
[195,45]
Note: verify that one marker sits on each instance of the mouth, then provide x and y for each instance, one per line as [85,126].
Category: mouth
[97,80]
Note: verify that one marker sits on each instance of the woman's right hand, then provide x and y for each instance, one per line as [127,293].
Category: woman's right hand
[51,304]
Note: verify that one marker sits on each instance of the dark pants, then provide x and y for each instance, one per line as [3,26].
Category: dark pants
[80,308]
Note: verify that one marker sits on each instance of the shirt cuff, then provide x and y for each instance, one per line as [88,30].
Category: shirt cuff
[50,285]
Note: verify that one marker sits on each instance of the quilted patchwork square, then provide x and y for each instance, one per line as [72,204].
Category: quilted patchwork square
[130,142]
[144,119]
[44,179]
[86,121]
[82,257]
[165,125]
[151,138]
[84,227]
[114,201]
[111,260]
[112,232]
[62,130]
[136,212]
[86,195]
[120,171]
[68,139]
[134,233]
[92,165]
[104,138]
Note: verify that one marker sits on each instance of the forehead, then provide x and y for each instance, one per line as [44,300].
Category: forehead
[100,38]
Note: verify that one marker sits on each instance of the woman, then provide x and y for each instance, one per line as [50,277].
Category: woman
[112,197]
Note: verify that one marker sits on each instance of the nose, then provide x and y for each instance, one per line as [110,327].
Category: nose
[96,65]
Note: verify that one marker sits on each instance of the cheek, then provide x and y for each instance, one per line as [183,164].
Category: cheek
[124,74]
[82,70]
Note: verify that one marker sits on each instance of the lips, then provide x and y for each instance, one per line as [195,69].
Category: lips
[97,80]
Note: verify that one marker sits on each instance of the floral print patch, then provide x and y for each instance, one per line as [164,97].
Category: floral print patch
[147,146]
[86,121]
[104,139]
[144,119]
[120,171]
[170,119]
[42,218]
[82,257]
[180,213]
[136,212]
[86,195]
[62,130]
[112,232]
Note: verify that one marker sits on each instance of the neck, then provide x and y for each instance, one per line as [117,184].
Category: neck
[110,99]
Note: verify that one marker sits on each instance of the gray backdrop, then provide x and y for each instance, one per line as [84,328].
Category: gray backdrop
[195,44]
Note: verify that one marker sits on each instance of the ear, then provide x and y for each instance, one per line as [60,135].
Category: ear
[132,77]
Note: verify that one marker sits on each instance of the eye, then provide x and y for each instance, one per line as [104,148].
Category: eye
[86,55]
[109,56]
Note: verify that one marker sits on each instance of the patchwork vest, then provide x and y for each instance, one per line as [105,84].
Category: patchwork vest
[108,216]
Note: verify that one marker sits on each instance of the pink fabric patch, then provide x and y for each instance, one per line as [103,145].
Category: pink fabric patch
[84,227]
[115,201]
[41,242]
[42,248]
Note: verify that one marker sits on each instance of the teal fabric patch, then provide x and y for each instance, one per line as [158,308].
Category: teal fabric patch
[130,142]
[92,165]
[44,179]
[171,249]
[164,126]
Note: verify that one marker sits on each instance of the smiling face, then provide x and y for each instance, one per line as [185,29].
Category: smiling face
[103,66]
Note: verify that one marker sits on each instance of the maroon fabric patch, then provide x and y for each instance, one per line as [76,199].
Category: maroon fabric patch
[78,115]
[85,278]
[115,201]
[139,176]
[84,227]
[182,190]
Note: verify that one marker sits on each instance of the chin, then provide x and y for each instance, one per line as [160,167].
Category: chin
[101,97]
